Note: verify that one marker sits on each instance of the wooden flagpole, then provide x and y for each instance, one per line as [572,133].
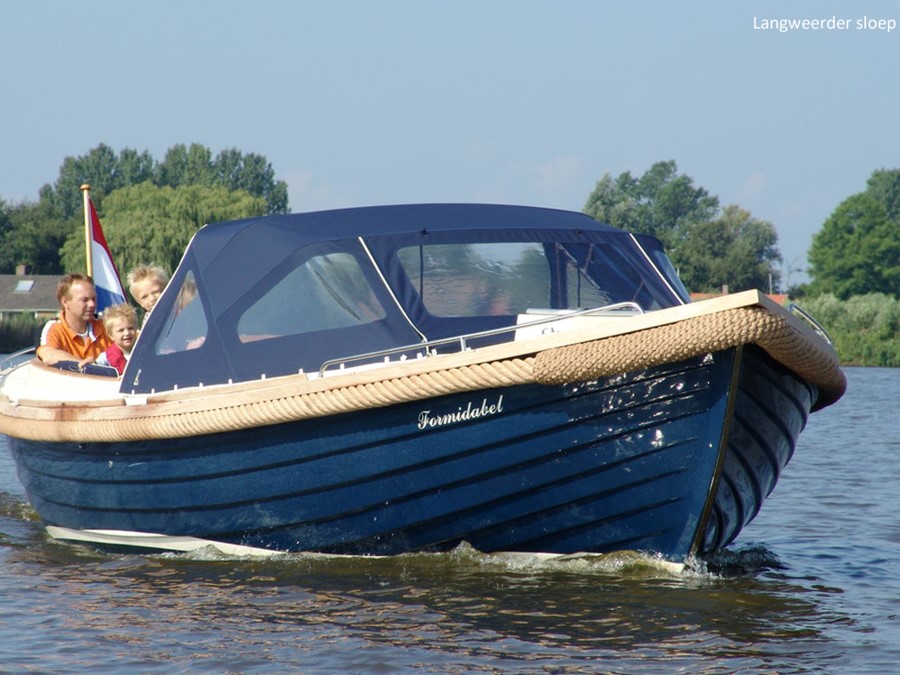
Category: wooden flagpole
[86,190]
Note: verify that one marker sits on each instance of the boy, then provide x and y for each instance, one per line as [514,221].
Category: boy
[120,322]
[146,283]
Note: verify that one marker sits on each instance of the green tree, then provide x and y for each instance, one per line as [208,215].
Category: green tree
[186,166]
[734,250]
[709,247]
[252,173]
[231,169]
[32,234]
[134,167]
[884,185]
[857,251]
[7,256]
[5,222]
[659,203]
[149,224]
[103,170]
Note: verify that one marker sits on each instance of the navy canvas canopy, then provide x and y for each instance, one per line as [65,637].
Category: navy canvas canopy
[274,295]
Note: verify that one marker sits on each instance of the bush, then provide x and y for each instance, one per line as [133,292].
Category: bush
[865,328]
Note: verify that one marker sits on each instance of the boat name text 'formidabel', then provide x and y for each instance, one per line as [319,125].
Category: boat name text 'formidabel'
[470,412]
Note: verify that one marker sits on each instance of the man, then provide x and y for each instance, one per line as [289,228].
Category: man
[75,335]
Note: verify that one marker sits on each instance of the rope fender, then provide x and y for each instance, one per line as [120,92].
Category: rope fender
[809,357]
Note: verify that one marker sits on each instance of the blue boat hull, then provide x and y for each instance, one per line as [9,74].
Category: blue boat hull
[771,408]
[673,460]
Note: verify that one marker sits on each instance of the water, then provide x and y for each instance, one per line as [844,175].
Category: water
[812,586]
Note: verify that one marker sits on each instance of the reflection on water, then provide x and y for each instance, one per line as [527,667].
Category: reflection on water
[814,588]
[463,610]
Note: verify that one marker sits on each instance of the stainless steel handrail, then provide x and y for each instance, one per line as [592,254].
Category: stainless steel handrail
[794,308]
[429,345]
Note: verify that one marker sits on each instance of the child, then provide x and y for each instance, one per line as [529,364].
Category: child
[146,283]
[120,322]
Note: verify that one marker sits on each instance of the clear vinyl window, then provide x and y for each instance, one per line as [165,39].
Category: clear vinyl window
[325,292]
[186,326]
[466,280]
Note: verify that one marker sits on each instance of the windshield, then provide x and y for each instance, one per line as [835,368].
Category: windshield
[494,279]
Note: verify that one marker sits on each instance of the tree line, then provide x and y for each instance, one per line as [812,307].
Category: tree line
[150,209]
[711,247]
[857,251]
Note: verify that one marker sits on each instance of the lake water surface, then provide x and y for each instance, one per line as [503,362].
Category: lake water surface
[811,586]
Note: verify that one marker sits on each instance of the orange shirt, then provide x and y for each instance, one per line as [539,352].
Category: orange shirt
[60,336]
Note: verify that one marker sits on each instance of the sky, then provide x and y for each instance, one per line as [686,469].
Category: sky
[360,102]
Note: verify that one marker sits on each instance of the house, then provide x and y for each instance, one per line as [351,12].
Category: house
[25,293]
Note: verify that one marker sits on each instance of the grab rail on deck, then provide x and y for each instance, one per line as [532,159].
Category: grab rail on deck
[430,345]
[794,308]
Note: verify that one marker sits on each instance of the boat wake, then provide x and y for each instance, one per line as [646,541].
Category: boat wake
[750,561]
[15,507]
[464,559]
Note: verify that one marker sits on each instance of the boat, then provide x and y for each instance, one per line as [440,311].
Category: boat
[388,379]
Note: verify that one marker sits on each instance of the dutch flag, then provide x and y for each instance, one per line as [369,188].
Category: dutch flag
[106,276]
